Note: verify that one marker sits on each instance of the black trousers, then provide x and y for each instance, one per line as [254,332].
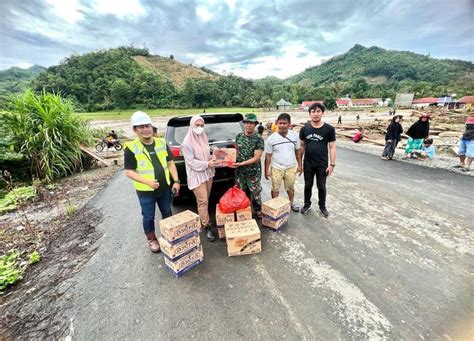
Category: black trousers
[309,174]
[389,149]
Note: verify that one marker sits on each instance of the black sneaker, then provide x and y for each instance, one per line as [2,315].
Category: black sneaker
[324,212]
[305,209]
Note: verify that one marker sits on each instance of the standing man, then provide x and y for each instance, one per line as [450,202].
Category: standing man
[339,119]
[466,146]
[282,152]
[248,169]
[149,163]
[260,129]
[315,138]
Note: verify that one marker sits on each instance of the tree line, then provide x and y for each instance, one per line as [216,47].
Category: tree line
[110,79]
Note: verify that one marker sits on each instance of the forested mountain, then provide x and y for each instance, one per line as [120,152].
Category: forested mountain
[129,77]
[394,69]
[375,62]
[16,79]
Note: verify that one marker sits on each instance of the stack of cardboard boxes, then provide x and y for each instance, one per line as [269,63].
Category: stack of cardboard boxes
[243,238]
[180,242]
[224,218]
[275,213]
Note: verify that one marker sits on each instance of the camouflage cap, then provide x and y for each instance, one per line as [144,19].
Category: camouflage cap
[250,118]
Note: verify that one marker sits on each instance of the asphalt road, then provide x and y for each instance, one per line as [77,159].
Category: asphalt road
[393,261]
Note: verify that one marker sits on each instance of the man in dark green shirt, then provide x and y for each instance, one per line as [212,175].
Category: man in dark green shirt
[248,168]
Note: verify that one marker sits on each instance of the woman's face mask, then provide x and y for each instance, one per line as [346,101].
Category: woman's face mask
[198,130]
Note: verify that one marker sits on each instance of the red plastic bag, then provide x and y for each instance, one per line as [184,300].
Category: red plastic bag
[232,200]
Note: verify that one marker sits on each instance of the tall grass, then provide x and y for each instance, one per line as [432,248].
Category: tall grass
[47,132]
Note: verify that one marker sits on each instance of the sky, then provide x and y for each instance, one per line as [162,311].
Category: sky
[249,38]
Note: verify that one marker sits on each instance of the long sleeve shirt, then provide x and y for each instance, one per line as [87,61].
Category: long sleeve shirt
[197,171]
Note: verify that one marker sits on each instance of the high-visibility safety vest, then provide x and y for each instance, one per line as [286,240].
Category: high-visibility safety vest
[144,164]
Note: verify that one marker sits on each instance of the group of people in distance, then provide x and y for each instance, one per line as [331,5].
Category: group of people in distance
[418,146]
[149,163]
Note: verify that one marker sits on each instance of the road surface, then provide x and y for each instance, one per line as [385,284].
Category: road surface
[393,261]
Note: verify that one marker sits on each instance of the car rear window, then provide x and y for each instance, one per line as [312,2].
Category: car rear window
[215,132]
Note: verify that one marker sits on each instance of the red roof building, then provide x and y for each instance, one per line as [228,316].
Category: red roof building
[466,100]
[365,102]
[425,100]
[306,104]
[343,102]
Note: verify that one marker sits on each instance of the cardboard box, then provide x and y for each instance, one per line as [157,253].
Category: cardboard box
[224,155]
[244,214]
[186,263]
[223,218]
[275,223]
[276,207]
[221,232]
[243,238]
[174,252]
[176,228]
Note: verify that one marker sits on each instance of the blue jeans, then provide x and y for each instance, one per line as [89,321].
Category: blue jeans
[148,205]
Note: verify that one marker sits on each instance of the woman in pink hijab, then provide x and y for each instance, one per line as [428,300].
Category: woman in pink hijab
[199,169]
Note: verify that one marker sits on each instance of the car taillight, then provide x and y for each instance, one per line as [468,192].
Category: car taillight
[176,151]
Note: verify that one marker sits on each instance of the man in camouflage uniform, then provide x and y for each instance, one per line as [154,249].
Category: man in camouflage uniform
[248,168]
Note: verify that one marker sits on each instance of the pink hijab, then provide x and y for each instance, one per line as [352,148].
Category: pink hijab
[199,143]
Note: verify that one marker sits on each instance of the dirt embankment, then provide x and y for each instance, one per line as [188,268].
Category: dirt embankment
[62,228]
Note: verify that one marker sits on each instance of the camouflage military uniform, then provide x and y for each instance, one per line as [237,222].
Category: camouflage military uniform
[248,177]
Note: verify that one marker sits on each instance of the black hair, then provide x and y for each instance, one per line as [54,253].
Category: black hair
[284,117]
[428,141]
[317,105]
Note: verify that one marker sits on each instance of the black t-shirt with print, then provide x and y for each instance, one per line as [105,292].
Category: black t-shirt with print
[316,142]
[130,162]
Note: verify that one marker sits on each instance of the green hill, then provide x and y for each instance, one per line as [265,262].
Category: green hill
[16,79]
[173,70]
[380,66]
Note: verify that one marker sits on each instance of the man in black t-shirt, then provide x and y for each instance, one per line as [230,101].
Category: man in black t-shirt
[316,138]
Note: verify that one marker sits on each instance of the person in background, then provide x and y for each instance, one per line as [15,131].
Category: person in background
[428,151]
[113,135]
[282,153]
[339,119]
[357,118]
[149,163]
[393,136]
[466,146]
[274,126]
[248,170]
[260,129]
[199,169]
[359,135]
[417,132]
[317,137]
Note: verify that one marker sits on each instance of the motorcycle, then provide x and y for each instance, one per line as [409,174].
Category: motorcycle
[104,143]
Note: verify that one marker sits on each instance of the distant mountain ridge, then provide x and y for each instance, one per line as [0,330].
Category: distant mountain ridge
[378,65]
[16,79]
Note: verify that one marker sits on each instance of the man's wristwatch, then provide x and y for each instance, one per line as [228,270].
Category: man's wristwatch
[176,181]
[332,165]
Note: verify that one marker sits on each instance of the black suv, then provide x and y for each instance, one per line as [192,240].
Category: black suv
[221,129]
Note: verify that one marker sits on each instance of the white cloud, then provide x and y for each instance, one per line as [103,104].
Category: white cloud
[204,14]
[120,8]
[69,10]
[290,63]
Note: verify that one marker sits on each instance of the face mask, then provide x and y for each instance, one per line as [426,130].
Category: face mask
[198,130]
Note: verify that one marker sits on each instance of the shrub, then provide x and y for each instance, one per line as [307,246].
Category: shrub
[47,132]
